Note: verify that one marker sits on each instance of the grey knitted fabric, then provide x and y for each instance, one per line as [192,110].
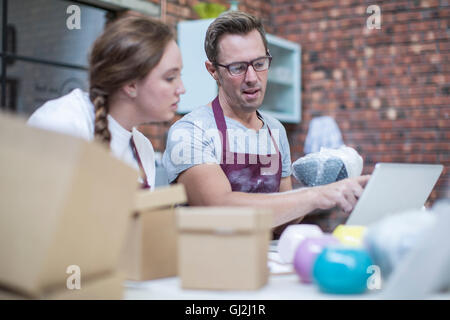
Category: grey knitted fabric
[316,169]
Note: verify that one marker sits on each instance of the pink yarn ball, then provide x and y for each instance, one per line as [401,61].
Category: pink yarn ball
[307,252]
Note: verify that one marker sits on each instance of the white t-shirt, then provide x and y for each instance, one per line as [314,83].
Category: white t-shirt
[73,114]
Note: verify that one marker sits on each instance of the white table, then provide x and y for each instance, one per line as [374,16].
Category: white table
[279,287]
[426,266]
[283,284]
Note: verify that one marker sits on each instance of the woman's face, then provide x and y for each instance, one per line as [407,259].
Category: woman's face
[159,92]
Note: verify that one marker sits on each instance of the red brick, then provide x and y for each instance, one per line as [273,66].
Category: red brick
[444,13]
[444,46]
[429,3]
[407,16]
[320,5]
[424,25]
[177,10]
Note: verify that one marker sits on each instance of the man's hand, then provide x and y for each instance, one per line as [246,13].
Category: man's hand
[344,193]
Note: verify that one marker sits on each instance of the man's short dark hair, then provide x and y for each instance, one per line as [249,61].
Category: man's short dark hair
[231,22]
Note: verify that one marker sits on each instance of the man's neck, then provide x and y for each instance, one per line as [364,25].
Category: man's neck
[249,119]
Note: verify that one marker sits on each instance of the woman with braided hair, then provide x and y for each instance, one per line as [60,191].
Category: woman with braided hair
[134,78]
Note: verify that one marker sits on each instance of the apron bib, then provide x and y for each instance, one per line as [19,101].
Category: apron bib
[247,172]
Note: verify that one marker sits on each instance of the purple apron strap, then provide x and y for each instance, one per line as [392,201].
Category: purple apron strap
[221,125]
[144,184]
[270,132]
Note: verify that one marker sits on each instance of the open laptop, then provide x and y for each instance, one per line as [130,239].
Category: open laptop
[392,188]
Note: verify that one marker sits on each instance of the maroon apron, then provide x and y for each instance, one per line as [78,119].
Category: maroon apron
[247,172]
[144,184]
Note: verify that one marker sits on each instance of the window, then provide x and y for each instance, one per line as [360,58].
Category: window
[42,58]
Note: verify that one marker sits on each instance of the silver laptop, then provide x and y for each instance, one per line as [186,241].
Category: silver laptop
[392,188]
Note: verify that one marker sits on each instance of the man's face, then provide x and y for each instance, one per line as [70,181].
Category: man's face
[245,91]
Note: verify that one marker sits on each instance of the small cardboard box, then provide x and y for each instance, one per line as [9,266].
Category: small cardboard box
[64,201]
[150,250]
[223,248]
[103,287]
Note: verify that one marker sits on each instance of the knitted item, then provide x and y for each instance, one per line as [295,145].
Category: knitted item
[327,166]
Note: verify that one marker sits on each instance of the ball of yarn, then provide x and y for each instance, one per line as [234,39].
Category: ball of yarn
[307,252]
[327,166]
[342,270]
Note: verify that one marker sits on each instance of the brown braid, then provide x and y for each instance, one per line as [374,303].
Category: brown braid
[101,131]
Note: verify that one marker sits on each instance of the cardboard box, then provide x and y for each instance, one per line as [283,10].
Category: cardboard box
[150,250]
[64,202]
[223,248]
[103,287]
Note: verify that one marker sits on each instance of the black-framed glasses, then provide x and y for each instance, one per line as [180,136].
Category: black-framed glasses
[240,67]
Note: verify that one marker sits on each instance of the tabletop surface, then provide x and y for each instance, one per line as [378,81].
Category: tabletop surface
[279,287]
[283,284]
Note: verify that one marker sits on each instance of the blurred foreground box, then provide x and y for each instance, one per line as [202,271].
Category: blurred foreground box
[103,287]
[223,248]
[64,202]
[150,250]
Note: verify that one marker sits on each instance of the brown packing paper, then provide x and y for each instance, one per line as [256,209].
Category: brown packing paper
[150,250]
[65,202]
[223,248]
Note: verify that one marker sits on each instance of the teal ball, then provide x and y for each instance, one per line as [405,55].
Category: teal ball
[342,270]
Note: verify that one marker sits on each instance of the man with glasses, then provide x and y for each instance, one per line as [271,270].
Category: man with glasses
[227,153]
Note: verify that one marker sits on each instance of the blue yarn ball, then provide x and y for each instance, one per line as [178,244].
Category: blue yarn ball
[342,270]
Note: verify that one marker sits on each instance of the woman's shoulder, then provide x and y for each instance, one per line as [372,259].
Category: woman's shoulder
[69,104]
[72,113]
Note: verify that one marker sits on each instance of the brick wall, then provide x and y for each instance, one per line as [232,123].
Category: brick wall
[388,89]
